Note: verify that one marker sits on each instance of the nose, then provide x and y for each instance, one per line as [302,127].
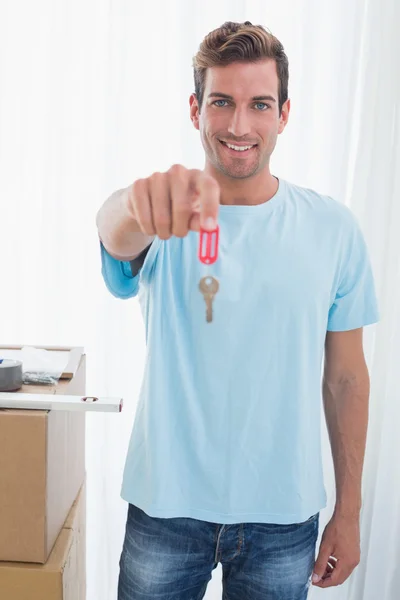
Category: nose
[239,125]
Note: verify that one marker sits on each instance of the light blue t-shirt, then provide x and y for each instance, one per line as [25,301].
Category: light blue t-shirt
[227,428]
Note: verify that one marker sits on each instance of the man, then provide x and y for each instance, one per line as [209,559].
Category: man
[224,463]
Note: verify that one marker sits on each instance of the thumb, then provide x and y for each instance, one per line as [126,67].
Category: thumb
[321,563]
[209,198]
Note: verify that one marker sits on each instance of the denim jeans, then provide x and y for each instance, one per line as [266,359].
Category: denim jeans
[173,559]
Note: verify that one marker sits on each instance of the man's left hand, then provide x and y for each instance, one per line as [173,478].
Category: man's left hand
[339,551]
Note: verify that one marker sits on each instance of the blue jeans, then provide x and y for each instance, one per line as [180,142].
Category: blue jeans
[173,559]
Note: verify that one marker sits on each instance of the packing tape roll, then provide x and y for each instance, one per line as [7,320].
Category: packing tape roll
[10,375]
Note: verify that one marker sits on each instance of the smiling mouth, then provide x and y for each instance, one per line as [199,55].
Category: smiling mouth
[238,150]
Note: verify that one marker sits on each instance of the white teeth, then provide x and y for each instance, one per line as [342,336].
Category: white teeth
[239,148]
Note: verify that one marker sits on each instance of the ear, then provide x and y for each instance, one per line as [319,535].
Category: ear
[194,111]
[284,116]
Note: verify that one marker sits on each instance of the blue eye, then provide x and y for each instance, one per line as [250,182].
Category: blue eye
[263,104]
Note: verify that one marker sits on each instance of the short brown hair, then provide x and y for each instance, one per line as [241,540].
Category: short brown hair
[240,42]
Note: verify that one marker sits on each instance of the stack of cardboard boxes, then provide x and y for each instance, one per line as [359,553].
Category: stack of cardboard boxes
[42,498]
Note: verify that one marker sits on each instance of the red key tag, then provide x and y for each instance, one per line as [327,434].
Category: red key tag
[208,246]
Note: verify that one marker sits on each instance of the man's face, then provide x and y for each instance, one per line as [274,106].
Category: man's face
[240,107]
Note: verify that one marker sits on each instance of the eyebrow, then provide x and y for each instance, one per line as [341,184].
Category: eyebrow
[227,97]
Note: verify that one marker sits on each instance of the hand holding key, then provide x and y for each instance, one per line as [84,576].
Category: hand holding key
[174,203]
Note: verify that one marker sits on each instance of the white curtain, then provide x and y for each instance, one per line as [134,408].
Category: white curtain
[93,95]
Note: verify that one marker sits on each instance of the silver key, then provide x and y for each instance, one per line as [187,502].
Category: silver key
[209,286]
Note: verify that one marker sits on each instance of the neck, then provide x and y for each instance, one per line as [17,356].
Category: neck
[255,190]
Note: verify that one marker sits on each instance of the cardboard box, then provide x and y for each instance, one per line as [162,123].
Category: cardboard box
[63,577]
[42,467]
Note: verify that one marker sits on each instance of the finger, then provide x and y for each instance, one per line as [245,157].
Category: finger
[325,551]
[338,576]
[194,223]
[209,197]
[161,204]
[180,200]
[140,202]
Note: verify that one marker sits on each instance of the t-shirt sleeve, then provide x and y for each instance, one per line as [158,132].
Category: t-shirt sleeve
[355,304]
[118,276]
